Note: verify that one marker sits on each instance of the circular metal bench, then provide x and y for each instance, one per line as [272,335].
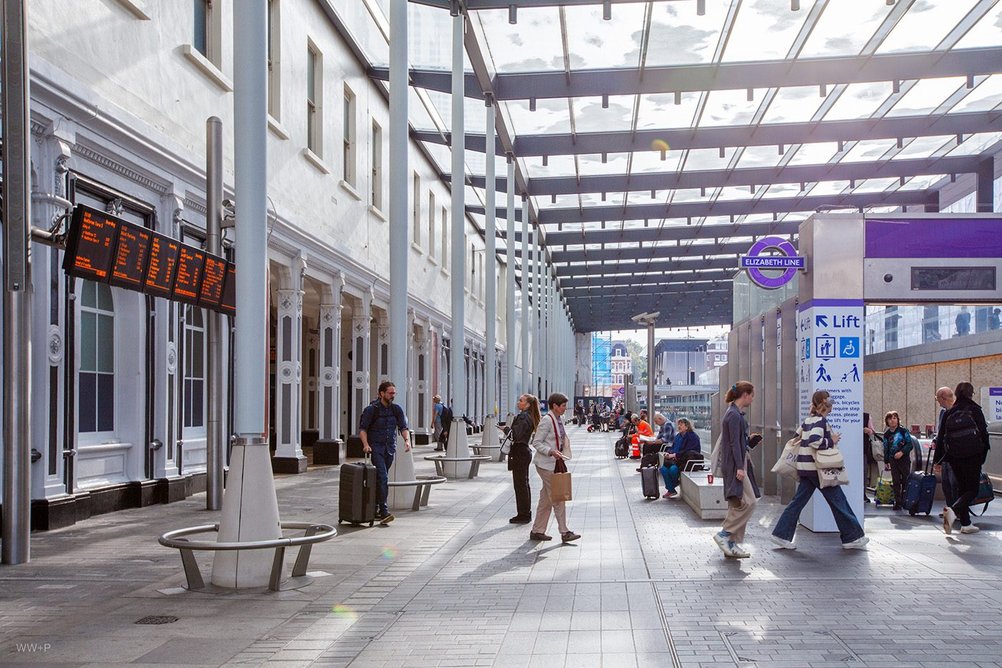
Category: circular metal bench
[314,533]
[422,488]
[441,460]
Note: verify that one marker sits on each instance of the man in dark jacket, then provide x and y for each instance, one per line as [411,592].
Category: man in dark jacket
[378,428]
[963,442]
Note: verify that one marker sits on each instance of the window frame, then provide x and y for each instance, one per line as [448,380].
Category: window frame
[349,160]
[314,99]
[376,172]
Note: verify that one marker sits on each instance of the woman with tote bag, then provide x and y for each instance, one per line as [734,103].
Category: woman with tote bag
[817,442]
[551,444]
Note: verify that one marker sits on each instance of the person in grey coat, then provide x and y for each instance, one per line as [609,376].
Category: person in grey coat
[736,472]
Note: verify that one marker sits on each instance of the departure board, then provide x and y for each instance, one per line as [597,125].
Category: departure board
[103,248]
[162,266]
[90,245]
[213,276]
[228,305]
[131,254]
[188,280]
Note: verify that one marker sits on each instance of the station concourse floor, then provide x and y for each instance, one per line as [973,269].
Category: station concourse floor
[457,585]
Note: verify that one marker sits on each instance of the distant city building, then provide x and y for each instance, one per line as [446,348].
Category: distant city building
[680,361]
[620,362]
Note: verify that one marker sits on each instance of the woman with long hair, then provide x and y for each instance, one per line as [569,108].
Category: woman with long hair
[816,434]
[736,472]
[520,456]
[962,442]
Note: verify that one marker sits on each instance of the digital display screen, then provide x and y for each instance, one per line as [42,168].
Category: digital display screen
[953,278]
[131,254]
[213,277]
[90,246]
[228,305]
[162,266]
[188,280]
[103,248]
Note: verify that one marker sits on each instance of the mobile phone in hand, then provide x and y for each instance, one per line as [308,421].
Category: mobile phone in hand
[754,440]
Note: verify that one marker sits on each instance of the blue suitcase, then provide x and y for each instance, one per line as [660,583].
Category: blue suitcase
[921,491]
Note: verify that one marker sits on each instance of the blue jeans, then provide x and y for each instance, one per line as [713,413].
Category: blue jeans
[849,527]
[671,475]
[382,459]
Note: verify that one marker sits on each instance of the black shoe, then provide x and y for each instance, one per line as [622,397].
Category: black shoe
[386,518]
[518,519]
[539,536]
[866,499]
[568,536]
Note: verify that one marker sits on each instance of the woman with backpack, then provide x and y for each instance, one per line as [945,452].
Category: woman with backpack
[815,435]
[962,441]
[520,456]
[897,460]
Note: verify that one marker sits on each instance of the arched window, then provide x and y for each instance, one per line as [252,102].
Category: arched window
[194,368]
[96,394]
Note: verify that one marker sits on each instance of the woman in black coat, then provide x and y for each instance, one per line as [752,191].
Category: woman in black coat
[962,441]
[520,456]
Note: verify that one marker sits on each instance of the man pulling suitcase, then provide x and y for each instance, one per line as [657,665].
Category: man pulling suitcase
[378,428]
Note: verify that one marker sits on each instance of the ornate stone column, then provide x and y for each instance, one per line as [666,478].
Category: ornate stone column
[329,374]
[289,456]
[361,338]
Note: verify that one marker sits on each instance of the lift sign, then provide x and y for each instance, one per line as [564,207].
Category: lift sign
[787,261]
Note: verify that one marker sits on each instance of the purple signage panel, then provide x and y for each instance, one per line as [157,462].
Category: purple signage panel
[937,238]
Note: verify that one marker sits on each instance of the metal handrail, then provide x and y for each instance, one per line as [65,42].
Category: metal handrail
[315,533]
[169,539]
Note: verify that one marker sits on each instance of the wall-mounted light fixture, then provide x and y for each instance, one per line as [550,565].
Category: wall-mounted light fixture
[512,14]
[700,7]
[607,10]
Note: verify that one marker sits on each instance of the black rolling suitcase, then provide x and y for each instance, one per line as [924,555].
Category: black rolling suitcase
[622,448]
[921,490]
[649,482]
[357,494]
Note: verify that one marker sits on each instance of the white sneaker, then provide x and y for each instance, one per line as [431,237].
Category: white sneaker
[738,551]
[949,517]
[723,542]
[970,528]
[783,544]
[857,544]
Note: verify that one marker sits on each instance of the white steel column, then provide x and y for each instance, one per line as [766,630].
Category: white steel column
[509,321]
[403,464]
[537,311]
[458,445]
[253,516]
[526,319]
[490,289]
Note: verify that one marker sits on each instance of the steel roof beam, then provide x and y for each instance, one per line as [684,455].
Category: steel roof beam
[769,134]
[746,177]
[673,233]
[573,286]
[597,255]
[722,208]
[749,75]
[657,212]
[654,263]
[478,5]
[721,76]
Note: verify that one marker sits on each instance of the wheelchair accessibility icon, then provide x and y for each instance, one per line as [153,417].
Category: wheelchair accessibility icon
[848,346]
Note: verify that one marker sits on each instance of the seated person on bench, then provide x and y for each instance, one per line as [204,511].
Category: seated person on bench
[685,448]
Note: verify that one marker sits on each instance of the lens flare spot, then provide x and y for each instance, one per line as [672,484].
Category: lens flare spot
[342,611]
[389,552]
[659,145]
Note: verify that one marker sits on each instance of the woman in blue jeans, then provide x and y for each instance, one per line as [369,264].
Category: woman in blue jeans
[685,447]
[816,434]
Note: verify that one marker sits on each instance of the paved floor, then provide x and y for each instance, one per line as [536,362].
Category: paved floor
[456,585]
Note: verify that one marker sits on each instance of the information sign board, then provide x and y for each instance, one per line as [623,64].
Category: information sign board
[162,267]
[188,280]
[90,245]
[131,255]
[213,277]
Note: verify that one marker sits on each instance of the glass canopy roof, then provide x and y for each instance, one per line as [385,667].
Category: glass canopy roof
[764,146]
